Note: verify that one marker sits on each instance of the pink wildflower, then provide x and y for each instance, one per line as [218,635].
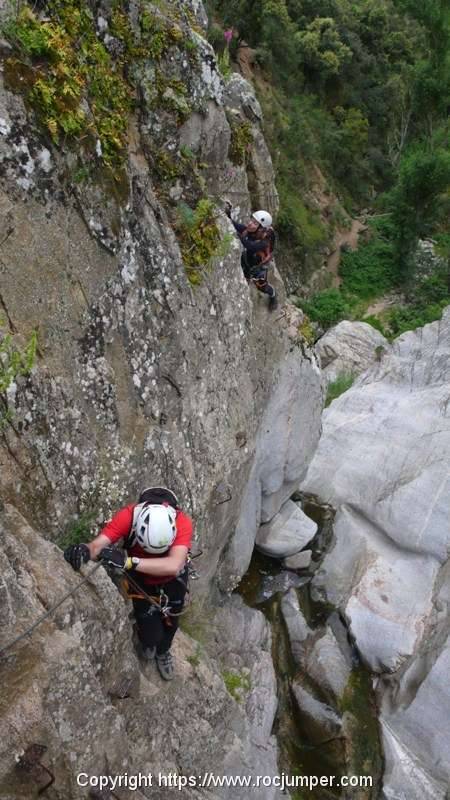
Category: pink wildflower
[228,35]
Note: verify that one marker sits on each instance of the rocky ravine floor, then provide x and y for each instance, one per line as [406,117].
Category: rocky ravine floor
[383,463]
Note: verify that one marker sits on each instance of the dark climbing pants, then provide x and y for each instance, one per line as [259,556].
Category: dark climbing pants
[154,629]
[258,276]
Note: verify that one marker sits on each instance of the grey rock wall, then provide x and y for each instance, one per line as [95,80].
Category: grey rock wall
[141,377]
[383,463]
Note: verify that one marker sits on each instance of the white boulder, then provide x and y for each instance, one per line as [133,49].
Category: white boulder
[287,533]
[350,348]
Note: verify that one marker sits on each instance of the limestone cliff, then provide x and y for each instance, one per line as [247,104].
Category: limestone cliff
[147,370]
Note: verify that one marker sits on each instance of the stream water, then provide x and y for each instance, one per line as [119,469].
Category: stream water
[358,751]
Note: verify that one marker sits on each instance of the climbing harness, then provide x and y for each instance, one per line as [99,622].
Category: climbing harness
[161,602]
[48,613]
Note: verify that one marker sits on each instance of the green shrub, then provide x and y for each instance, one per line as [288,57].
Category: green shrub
[375,323]
[339,386]
[14,362]
[306,331]
[369,271]
[78,530]
[77,89]
[408,318]
[328,307]
[236,683]
[63,64]
[199,238]
[240,142]
[223,62]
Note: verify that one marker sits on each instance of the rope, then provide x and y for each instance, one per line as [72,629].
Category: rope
[48,613]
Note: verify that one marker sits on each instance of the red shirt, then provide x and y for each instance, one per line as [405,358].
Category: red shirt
[121,524]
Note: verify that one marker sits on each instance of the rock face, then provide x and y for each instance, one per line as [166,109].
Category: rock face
[321,721]
[383,464]
[287,533]
[349,349]
[145,373]
[299,561]
[141,377]
[291,416]
[297,627]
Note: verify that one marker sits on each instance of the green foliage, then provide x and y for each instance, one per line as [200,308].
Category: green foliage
[199,238]
[337,387]
[408,318]
[416,199]
[236,683]
[357,82]
[79,91]
[354,129]
[375,323]
[428,297]
[369,271]
[298,225]
[307,331]
[187,153]
[328,307]
[240,143]
[157,36]
[170,94]
[15,362]
[320,47]
[66,66]
[223,61]
[79,530]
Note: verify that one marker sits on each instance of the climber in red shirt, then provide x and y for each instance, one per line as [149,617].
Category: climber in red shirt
[157,536]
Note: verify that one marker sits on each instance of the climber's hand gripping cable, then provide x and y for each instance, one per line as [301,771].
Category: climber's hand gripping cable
[76,555]
[119,559]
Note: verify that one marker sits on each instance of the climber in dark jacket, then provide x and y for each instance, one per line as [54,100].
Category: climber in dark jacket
[258,240]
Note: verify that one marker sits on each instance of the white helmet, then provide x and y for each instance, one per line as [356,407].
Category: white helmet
[263,218]
[155,528]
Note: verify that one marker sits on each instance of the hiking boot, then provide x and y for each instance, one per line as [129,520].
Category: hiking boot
[273,302]
[164,662]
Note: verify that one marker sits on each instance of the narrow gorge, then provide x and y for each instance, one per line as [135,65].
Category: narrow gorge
[134,352]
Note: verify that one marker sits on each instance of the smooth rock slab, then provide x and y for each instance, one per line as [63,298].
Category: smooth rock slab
[297,627]
[328,666]
[371,580]
[288,532]
[321,721]
[299,560]
[383,463]
[416,735]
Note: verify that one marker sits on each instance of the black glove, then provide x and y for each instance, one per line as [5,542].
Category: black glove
[228,209]
[76,555]
[115,558]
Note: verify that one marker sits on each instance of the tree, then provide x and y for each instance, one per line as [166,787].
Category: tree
[424,176]
[320,47]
